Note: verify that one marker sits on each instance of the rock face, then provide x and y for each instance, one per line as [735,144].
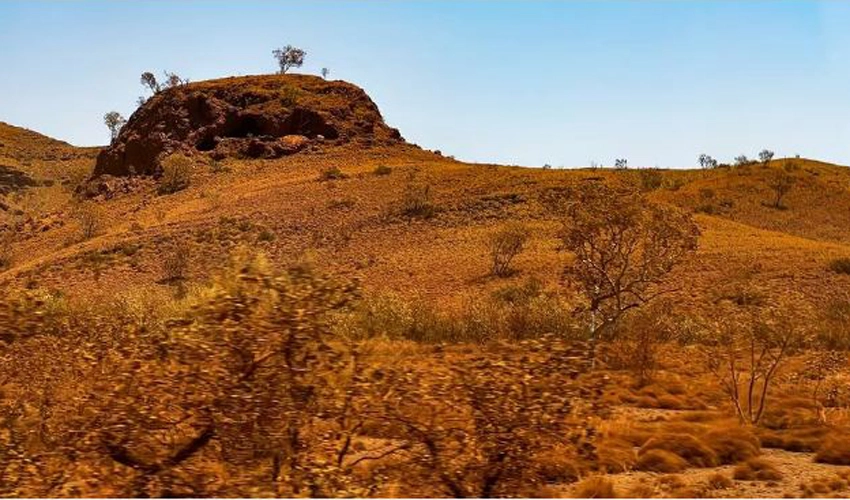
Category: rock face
[253,117]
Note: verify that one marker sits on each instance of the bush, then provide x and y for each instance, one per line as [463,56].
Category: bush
[175,265]
[332,174]
[756,469]
[694,451]
[650,179]
[834,450]
[176,174]
[840,265]
[382,170]
[505,244]
[595,487]
[416,201]
[88,218]
[661,461]
[732,444]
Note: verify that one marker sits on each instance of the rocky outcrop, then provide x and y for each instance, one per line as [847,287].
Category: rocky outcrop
[253,117]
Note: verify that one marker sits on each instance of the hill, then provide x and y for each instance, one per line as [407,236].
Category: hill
[334,205]
[140,360]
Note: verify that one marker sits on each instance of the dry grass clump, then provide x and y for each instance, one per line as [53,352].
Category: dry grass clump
[835,450]
[802,439]
[690,448]
[718,481]
[834,484]
[661,461]
[732,444]
[595,487]
[615,455]
[641,490]
[756,469]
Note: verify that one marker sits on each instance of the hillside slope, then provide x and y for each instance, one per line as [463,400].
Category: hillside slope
[336,208]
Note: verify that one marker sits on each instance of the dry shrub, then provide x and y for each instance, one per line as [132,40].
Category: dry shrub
[505,244]
[638,343]
[835,450]
[332,174]
[416,201]
[732,444]
[175,265]
[661,461]
[176,174]
[718,481]
[513,313]
[615,455]
[756,469]
[556,465]
[382,170]
[88,217]
[694,451]
[595,487]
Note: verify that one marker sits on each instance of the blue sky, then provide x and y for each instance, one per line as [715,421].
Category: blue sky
[525,82]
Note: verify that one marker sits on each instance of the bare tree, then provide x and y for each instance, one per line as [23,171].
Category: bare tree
[744,350]
[706,161]
[765,156]
[289,57]
[781,183]
[624,247]
[114,122]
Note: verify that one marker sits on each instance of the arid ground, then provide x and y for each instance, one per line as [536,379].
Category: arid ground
[261,289]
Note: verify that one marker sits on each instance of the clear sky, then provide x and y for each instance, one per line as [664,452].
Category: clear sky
[524,82]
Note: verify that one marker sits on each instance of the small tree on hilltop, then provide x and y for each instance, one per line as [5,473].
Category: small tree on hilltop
[706,161]
[741,160]
[114,122]
[765,156]
[624,247]
[289,57]
[621,163]
[148,81]
[325,73]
